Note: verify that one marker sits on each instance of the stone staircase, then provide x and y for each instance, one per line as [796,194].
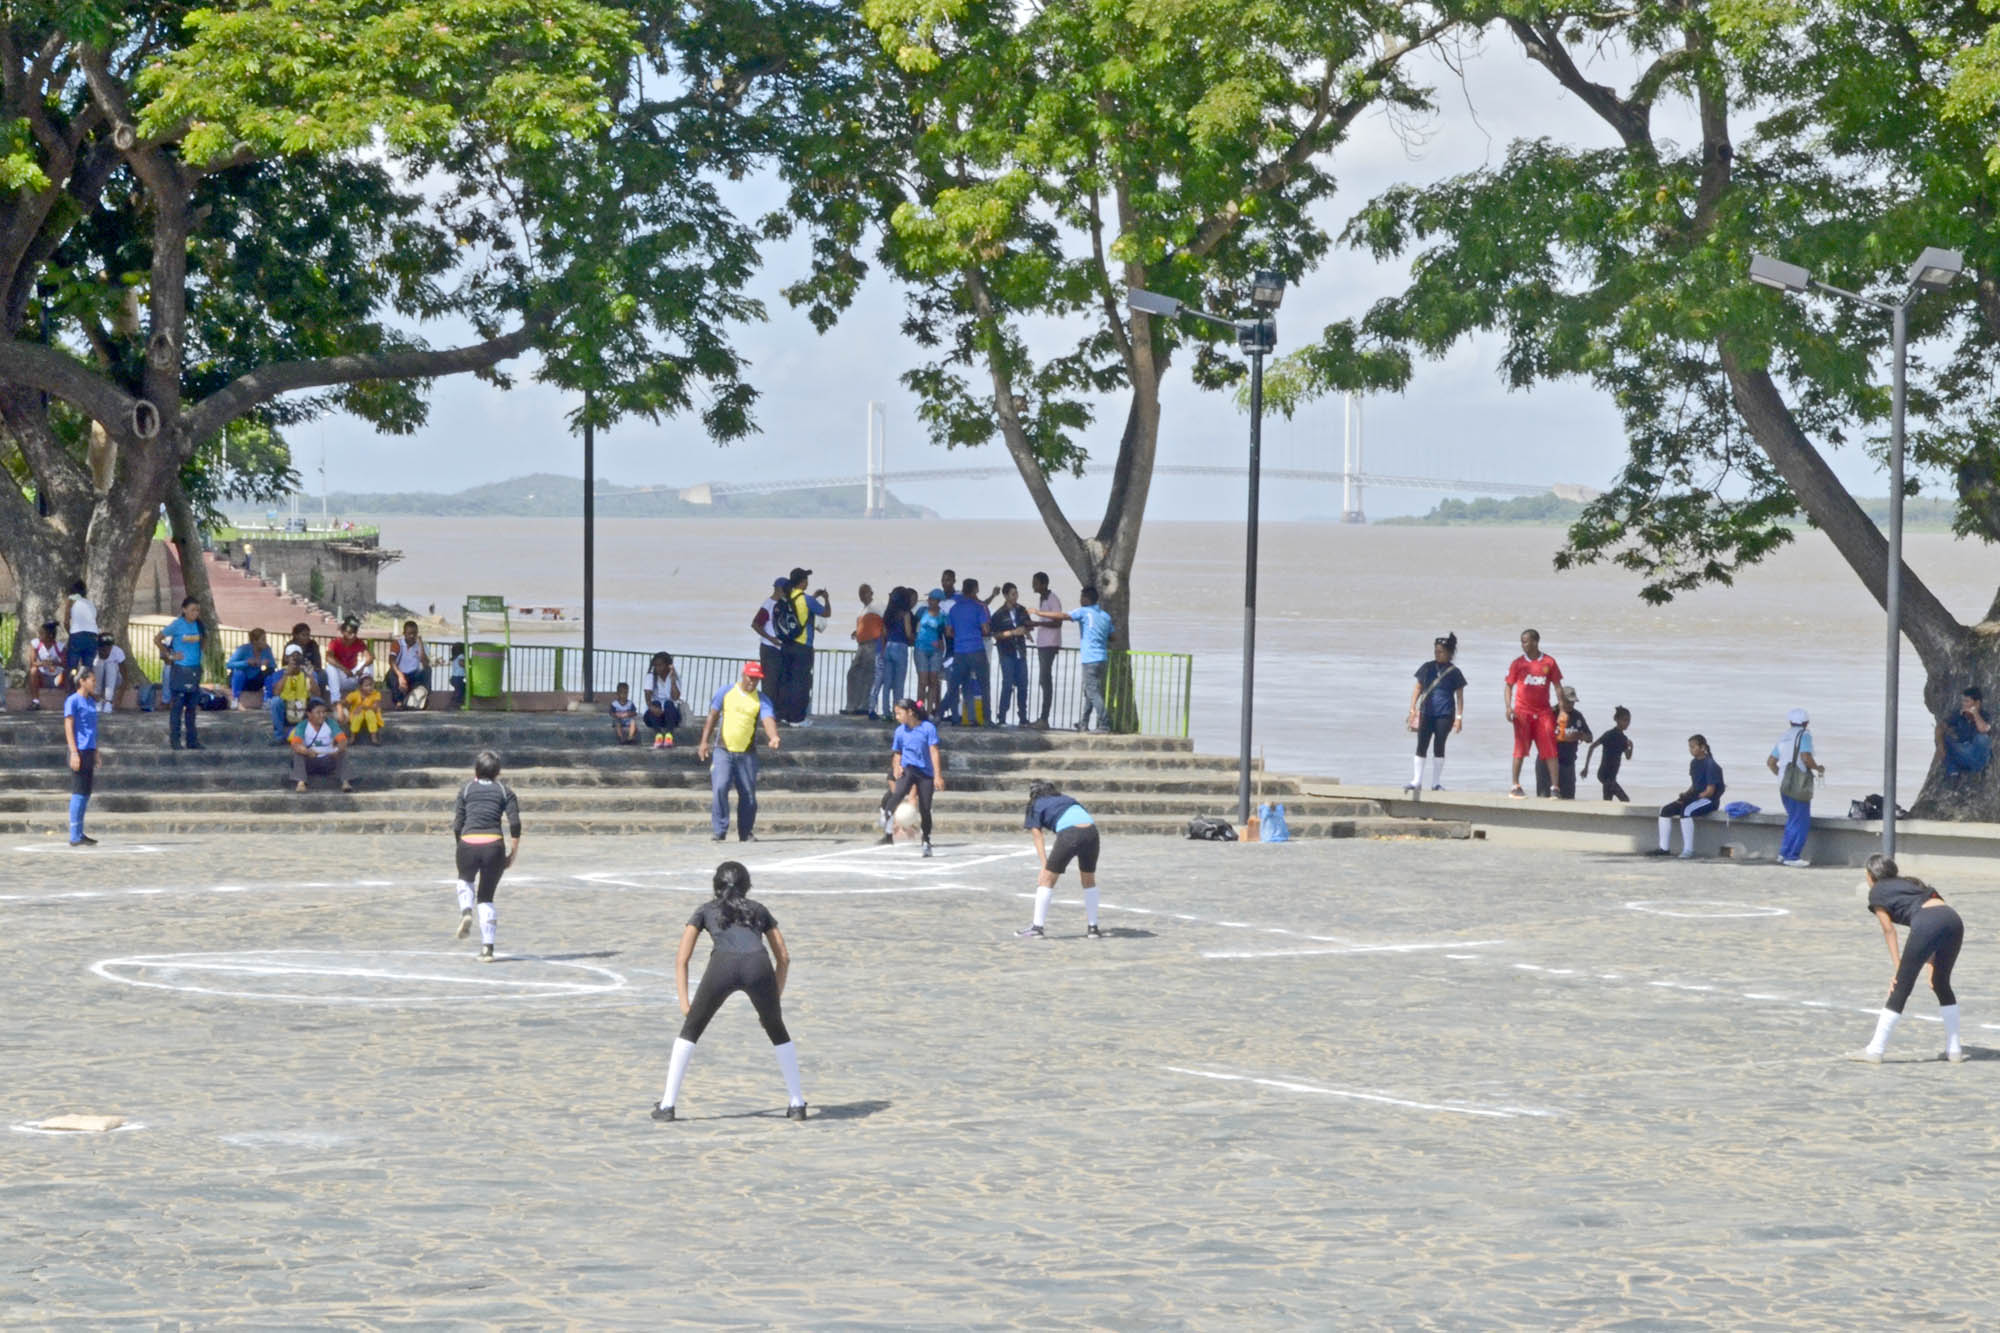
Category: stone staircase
[245,600]
[826,780]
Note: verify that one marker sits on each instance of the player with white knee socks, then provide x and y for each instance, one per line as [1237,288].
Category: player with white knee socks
[484,804]
[1437,711]
[1703,797]
[1936,932]
[1051,812]
[741,930]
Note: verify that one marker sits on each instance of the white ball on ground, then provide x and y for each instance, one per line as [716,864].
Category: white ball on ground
[907,817]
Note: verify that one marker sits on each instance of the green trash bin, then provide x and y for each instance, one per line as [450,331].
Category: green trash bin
[483,668]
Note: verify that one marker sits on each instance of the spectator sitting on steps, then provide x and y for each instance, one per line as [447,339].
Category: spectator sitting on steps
[302,638]
[361,710]
[409,668]
[663,700]
[287,703]
[624,715]
[251,667]
[113,670]
[319,746]
[45,665]
[345,657]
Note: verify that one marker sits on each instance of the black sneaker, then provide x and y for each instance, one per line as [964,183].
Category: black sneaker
[720,837]
[1031,933]
[196,745]
[1092,933]
[887,840]
[748,837]
[796,1112]
[83,840]
[485,953]
[1658,851]
[663,1112]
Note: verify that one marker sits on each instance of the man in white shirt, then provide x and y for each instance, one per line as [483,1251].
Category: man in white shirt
[1048,642]
[409,665]
[79,621]
[770,648]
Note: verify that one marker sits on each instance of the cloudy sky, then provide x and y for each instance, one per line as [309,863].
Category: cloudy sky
[1456,419]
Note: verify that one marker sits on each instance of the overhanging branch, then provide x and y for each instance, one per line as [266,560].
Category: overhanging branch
[33,366]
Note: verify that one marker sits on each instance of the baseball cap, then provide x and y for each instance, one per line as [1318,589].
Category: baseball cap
[782,581]
[800,573]
[937,593]
[293,650]
[754,670]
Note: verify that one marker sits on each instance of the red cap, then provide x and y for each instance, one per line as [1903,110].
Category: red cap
[754,670]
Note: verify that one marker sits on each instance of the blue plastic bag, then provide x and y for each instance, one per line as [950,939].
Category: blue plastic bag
[1271,823]
[1738,809]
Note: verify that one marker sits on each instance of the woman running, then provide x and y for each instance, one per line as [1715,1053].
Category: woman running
[1437,709]
[1936,931]
[483,854]
[1049,811]
[740,929]
[916,761]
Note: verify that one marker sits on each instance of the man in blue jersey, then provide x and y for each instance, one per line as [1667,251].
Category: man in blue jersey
[180,644]
[1094,655]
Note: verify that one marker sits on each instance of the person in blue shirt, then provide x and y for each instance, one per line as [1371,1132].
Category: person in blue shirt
[1094,655]
[251,667]
[80,730]
[929,651]
[1051,812]
[969,671]
[916,762]
[1703,797]
[180,652]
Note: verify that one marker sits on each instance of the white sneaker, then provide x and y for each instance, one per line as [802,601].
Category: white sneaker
[1866,1056]
[1687,855]
[1797,863]
[1956,1055]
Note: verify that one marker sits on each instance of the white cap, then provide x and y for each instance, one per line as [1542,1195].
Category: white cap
[1797,717]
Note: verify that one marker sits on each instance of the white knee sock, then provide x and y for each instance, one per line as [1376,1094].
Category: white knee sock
[1090,905]
[1687,835]
[1885,1023]
[1042,897]
[788,1065]
[488,919]
[677,1069]
[1417,765]
[464,896]
[1949,1013]
[1666,833]
[1437,770]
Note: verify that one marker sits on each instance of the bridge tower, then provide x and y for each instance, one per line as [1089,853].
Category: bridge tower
[1350,460]
[876,489]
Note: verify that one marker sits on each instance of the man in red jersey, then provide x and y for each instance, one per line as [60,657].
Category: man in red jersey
[1530,698]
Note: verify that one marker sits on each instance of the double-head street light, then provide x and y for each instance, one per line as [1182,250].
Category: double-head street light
[1257,336]
[1935,270]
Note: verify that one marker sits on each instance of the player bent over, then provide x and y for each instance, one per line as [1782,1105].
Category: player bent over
[1051,812]
[483,855]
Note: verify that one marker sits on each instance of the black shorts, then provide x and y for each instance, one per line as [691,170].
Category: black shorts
[1076,843]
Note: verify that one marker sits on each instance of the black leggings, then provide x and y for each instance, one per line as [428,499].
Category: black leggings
[1612,791]
[81,781]
[726,974]
[925,784]
[1934,938]
[1433,728]
[1076,843]
[483,863]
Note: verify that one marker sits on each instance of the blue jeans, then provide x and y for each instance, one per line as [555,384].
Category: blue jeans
[81,650]
[1093,697]
[1014,683]
[1798,823]
[738,771]
[184,695]
[968,682]
[274,703]
[890,670]
[245,678]
[1967,756]
[148,696]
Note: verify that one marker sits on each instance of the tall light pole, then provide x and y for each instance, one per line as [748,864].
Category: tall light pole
[1257,336]
[1935,270]
[589,551]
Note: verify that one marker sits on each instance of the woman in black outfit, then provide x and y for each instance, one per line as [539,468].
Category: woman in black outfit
[740,928]
[1936,931]
[483,856]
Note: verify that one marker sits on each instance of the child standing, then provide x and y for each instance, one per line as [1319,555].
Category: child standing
[624,716]
[457,674]
[361,710]
[1617,749]
[80,730]
[1571,730]
[918,766]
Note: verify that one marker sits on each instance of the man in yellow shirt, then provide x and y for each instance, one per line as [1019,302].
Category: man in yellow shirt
[734,715]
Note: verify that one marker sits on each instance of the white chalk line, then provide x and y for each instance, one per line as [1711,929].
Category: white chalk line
[1667,906]
[113,849]
[29,1127]
[1378,1098]
[523,989]
[1205,921]
[1359,948]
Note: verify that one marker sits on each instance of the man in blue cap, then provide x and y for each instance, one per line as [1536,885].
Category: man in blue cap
[776,611]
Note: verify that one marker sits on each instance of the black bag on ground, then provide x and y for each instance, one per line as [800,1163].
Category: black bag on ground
[213,701]
[1207,828]
[1870,807]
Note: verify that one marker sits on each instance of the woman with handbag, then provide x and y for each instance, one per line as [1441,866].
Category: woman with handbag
[1793,761]
[1437,710]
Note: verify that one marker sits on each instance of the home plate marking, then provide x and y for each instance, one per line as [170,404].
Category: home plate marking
[320,976]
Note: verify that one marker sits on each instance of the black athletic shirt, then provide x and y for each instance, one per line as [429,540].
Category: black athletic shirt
[1613,757]
[1439,702]
[482,803]
[1705,773]
[746,935]
[1900,898]
[1046,812]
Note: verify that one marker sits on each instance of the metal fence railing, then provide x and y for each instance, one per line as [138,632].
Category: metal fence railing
[1148,693]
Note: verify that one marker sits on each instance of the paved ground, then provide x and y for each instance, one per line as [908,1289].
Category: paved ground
[1343,1084]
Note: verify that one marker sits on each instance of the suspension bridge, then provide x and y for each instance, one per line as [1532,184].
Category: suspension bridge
[1353,479]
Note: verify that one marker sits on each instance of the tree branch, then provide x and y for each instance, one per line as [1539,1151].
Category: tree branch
[33,366]
[1633,123]
[267,382]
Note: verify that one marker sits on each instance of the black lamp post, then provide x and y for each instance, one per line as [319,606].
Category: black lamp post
[1257,336]
[589,552]
[1935,270]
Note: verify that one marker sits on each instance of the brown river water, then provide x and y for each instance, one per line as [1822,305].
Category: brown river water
[1346,615]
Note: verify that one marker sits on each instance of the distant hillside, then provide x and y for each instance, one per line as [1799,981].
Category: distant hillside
[1488,512]
[547,495]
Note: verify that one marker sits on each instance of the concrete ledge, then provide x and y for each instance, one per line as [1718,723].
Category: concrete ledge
[1922,846]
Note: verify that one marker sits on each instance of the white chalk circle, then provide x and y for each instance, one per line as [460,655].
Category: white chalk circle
[30,1127]
[109,849]
[321,976]
[1702,909]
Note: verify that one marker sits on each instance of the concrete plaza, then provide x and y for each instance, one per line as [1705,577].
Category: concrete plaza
[1340,1084]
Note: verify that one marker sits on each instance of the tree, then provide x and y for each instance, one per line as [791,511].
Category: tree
[1828,133]
[1027,164]
[238,214]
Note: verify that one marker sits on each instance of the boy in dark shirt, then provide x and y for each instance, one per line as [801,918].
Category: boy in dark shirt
[1617,749]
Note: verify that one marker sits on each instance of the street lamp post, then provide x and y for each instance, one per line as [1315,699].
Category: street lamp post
[589,553]
[1257,337]
[1935,270]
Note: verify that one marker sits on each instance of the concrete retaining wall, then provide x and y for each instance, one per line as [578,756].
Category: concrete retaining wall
[347,581]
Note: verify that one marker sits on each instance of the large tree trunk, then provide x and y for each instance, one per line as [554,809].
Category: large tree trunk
[186,533]
[1969,796]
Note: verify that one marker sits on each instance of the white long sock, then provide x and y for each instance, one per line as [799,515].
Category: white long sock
[1949,1013]
[788,1065]
[464,896]
[1042,897]
[1437,770]
[677,1069]
[488,919]
[1687,835]
[1417,765]
[1090,905]
[1666,834]
[1885,1023]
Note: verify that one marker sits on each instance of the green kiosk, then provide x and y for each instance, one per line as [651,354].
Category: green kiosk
[486,663]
